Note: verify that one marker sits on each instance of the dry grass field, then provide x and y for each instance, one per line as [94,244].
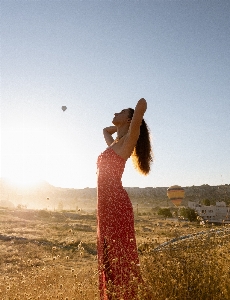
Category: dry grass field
[51,255]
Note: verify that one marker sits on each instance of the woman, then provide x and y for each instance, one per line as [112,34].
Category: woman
[119,269]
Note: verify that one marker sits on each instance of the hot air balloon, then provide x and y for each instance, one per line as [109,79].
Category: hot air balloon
[64,108]
[176,194]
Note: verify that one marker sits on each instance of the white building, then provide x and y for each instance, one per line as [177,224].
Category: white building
[218,213]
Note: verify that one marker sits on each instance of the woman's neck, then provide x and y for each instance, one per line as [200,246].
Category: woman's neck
[121,131]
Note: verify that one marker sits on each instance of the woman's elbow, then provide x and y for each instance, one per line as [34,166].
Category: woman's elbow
[142,104]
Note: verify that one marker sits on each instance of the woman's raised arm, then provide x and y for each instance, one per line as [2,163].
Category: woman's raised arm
[108,132]
[134,128]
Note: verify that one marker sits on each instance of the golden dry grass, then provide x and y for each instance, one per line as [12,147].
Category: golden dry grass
[53,256]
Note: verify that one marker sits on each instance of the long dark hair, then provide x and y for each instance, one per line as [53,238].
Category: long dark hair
[142,155]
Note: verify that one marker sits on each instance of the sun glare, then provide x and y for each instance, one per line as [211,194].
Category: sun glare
[24,182]
[23,153]
[33,151]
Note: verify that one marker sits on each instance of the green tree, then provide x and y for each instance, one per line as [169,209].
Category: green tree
[165,212]
[188,213]
[227,201]
[206,202]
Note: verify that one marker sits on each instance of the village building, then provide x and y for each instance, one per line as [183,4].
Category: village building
[219,213]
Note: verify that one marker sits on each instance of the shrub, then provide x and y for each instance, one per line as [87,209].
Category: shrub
[165,212]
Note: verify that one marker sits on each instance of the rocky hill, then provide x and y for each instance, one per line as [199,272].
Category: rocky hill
[158,196]
[47,196]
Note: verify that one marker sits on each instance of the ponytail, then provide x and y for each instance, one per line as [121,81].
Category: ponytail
[142,155]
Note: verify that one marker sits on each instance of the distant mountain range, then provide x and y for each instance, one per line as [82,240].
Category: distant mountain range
[46,196]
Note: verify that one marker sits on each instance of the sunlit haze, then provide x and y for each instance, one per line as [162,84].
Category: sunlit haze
[98,57]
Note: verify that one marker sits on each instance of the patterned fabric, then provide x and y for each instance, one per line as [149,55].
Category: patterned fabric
[118,263]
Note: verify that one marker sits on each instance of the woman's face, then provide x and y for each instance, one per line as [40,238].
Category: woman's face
[121,117]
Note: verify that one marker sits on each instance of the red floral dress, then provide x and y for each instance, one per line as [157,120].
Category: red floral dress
[119,271]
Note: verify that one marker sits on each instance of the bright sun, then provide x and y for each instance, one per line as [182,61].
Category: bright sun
[37,148]
[23,154]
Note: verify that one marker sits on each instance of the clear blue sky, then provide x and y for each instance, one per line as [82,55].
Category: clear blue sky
[98,57]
